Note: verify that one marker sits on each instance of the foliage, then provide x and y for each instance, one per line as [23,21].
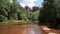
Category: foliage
[10,10]
[3,18]
[35,15]
[30,15]
[57,5]
[49,14]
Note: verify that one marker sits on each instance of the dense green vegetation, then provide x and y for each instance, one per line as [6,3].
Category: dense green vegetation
[13,11]
[50,14]
[9,10]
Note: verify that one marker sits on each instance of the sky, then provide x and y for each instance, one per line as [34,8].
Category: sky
[30,3]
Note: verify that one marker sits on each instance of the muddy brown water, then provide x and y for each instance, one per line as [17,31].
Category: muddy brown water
[19,29]
[23,29]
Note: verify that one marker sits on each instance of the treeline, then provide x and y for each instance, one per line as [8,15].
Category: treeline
[10,10]
[50,14]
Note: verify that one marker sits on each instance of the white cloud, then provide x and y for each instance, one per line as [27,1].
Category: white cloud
[22,4]
[30,0]
[29,3]
[11,0]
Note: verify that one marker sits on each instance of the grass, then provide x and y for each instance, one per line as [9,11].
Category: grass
[15,22]
[18,22]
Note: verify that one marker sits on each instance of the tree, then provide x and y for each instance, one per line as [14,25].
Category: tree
[57,5]
[15,10]
[10,10]
[48,14]
[4,9]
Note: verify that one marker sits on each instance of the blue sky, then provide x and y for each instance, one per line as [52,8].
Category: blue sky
[31,3]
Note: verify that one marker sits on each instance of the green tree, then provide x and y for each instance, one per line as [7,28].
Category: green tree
[48,12]
[57,6]
[10,10]
[15,10]
[4,9]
